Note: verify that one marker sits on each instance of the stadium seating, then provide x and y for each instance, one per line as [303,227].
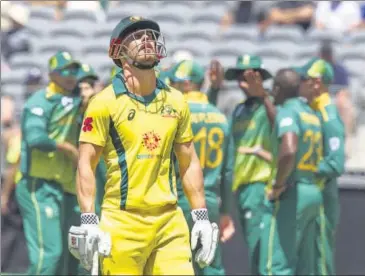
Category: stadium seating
[192,26]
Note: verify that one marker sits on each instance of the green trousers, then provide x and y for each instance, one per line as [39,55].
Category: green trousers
[289,232]
[216,268]
[41,205]
[250,200]
[327,223]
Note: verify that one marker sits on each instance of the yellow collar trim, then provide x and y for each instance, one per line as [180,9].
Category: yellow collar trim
[53,89]
[321,101]
[196,96]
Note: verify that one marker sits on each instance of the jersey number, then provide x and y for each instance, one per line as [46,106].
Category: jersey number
[210,141]
[312,157]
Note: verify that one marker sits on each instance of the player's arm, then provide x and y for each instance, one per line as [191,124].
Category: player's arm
[256,87]
[35,132]
[193,184]
[287,132]
[191,174]
[333,162]
[93,137]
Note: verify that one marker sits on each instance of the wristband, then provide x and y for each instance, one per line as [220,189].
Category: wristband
[257,149]
[89,218]
[199,214]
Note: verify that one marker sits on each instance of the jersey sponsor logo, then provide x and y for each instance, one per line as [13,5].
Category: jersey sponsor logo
[87,125]
[37,111]
[168,111]
[334,143]
[131,114]
[151,140]
[286,122]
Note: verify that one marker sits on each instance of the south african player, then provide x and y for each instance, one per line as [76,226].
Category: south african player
[319,74]
[293,198]
[211,140]
[251,130]
[48,162]
[137,123]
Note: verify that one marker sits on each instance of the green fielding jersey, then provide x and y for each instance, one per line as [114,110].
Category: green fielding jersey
[296,116]
[211,141]
[250,127]
[333,163]
[49,118]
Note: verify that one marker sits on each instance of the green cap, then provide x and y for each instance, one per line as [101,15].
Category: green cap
[316,68]
[187,70]
[61,60]
[86,71]
[245,62]
[321,69]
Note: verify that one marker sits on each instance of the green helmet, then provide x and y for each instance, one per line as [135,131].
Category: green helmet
[128,26]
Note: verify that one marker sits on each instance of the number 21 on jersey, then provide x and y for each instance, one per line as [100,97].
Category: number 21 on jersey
[311,158]
[209,144]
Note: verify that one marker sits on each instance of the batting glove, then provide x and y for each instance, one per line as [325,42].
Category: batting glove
[85,240]
[207,234]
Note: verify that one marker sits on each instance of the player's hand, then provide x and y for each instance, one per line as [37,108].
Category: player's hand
[207,234]
[248,150]
[255,85]
[70,150]
[275,192]
[227,228]
[84,241]
[216,74]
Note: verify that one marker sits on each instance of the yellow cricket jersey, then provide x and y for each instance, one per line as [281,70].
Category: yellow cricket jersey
[138,135]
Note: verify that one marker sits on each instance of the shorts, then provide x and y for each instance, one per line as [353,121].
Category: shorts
[148,242]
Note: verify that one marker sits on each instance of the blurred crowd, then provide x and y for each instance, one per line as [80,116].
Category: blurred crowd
[344,17]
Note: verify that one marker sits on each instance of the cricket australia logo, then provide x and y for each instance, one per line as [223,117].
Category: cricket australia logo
[168,111]
[151,140]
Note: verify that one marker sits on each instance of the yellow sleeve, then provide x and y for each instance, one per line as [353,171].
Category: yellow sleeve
[184,132]
[95,125]
[13,152]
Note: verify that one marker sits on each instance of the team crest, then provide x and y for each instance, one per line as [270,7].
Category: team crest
[169,112]
[151,140]
[53,63]
[85,67]
[135,18]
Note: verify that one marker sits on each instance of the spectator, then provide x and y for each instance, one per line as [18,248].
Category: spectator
[33,81]
[16,39]
[243,12]
[339,89]
[289,13]
[362,8]
[340,16]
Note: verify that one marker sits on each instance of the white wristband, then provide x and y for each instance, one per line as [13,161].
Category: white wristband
[199,214]
[89,218]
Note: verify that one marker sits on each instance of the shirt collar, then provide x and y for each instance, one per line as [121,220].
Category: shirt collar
[320,101]
[196,97]
[54,90]
[120,88]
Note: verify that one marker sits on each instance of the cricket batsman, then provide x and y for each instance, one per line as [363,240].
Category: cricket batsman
[211,140]
[48,162]
[137,124]
[318,74]
[293,198]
